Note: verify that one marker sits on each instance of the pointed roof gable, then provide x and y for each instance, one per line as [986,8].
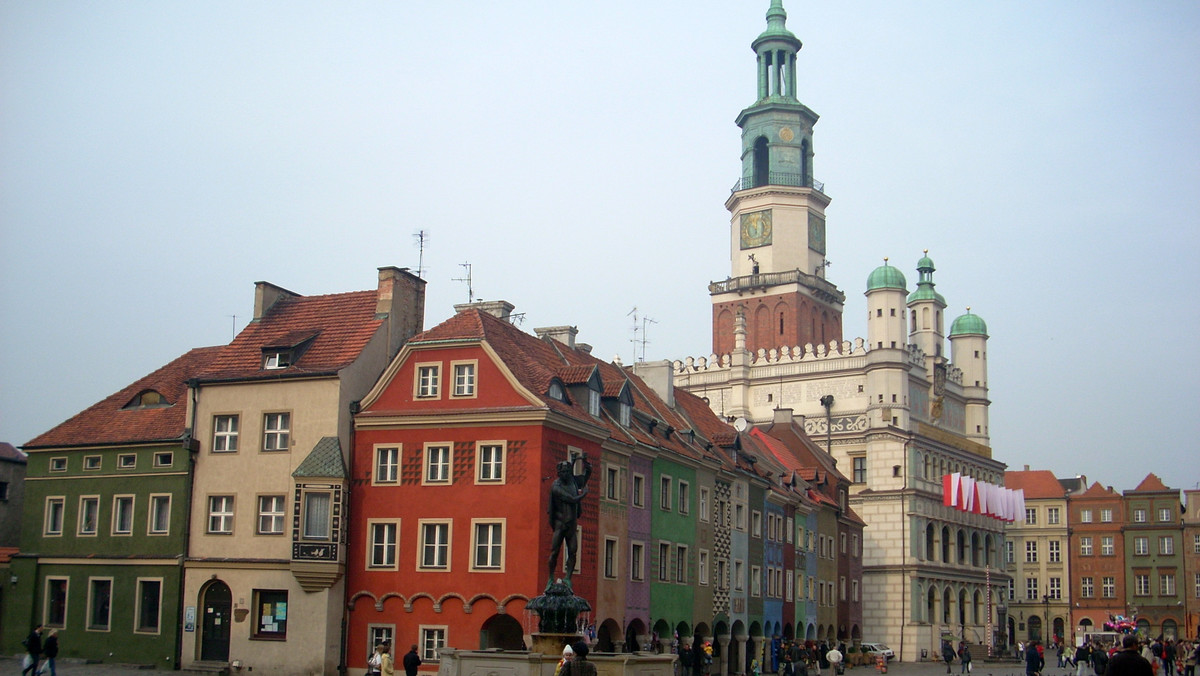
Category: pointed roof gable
[331,330]
[1037,484]
[113,421]
[1151,484]
[1098,491]
[324,461]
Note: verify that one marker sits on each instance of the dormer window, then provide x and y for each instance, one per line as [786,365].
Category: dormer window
[625,413]
[557,392]
[278,359]
[593,402]
[148,399]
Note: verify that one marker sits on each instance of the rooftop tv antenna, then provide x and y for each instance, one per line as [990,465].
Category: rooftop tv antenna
[470,289]
[421,237]
[639,328]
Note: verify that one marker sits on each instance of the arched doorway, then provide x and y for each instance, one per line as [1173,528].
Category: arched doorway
[216,602]
[607,636]
[1035,628]
[1058,629]
[635,635]
[503,632]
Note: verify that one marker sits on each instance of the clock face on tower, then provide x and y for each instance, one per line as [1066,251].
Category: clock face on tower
[756,229]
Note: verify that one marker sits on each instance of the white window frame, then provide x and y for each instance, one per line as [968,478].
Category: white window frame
[1106,515]
[702,567]
[137,607]
[637,561]
[433,638]
[424,527]
[427,378]
[664,492]
[1055,551]
[1107,545]
[1141,585]
[222,513]
[387,464]
[88,626]
[1108,587]
[271,516]
[1141,546]
[277,431]
[127,461]
[58,464]
[498,465]
[1087,587]
[610,564]
[91,463]
[46,599]
[703,505]
[56,505]
[379,633]
[1164,515]
[225,436]
[465,375]
[445,471]
[497,551]
[1166,584]
[1052,516]
[685,497]
[390,548]
[157,500]
[164,459]
[94,531]
[1139,516]
[316,529]
[1085,546]
[122,521]
[1166,545]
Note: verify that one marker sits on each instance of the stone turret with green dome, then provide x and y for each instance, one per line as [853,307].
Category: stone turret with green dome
[968,325]
[925,284]
[886,277]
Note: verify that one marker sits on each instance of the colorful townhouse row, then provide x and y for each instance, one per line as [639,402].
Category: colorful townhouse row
[334,477]
[1089,556]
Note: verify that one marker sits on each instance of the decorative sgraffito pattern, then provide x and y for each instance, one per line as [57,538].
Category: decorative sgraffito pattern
[721,548]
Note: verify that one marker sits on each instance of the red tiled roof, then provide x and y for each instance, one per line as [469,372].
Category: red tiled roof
[340,325]
[109,422]
[1097,491]
[1038,483]
[1151,484]
[574,375]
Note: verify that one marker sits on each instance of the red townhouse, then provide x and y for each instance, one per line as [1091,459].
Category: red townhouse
[467,422]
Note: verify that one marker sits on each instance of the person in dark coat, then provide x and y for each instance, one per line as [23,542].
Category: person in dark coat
[412,661]
[50,651]
[947,654]
[33,646]
[1128,661]
[699,657]
[1034,662]
[580,666]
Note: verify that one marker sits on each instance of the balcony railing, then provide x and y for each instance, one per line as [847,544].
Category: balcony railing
[748,282]
[776,178]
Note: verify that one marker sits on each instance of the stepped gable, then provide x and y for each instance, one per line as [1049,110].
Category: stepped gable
[1151,484]
[330,332]
[1038,483]
[110,422]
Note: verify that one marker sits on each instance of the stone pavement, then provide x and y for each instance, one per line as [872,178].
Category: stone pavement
[68,667]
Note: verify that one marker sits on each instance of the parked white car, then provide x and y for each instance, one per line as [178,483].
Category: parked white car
[878,649]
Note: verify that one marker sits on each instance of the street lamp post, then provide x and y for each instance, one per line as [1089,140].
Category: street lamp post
[1046,628]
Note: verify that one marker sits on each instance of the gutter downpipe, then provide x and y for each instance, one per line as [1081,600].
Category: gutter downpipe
[904,554]
[354,408]
[192,448]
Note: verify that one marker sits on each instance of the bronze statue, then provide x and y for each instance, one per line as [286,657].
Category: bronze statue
[566,496]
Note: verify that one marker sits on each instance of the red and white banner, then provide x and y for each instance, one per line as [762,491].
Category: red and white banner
[981,497]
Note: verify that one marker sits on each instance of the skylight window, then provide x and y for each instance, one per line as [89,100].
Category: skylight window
[277,359]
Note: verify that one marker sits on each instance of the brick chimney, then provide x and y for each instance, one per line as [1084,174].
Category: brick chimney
[400,301]
[500,309]
[563,334]
[266,295]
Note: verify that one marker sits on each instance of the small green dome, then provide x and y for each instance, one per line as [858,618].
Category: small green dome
[886,277]
[926,263]
[968,325]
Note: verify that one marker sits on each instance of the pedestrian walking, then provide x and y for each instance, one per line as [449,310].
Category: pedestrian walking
[947,654]
[1034,662]
[1127,661]
[50,651]
[1083,659]
[33,651]
[412,661]
[964,656]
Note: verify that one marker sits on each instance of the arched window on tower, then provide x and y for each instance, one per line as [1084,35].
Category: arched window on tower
[924,318]
[762,162]
[781,323]
[805,169]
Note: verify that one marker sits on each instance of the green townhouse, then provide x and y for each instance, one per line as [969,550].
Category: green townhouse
[104,530]
[673,530]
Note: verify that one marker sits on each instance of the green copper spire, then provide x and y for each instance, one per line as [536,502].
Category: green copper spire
[925,285]
[776,128]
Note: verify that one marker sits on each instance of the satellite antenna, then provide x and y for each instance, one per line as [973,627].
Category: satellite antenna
[741,424]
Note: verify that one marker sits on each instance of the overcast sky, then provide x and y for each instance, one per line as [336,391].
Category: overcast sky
[158,158]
